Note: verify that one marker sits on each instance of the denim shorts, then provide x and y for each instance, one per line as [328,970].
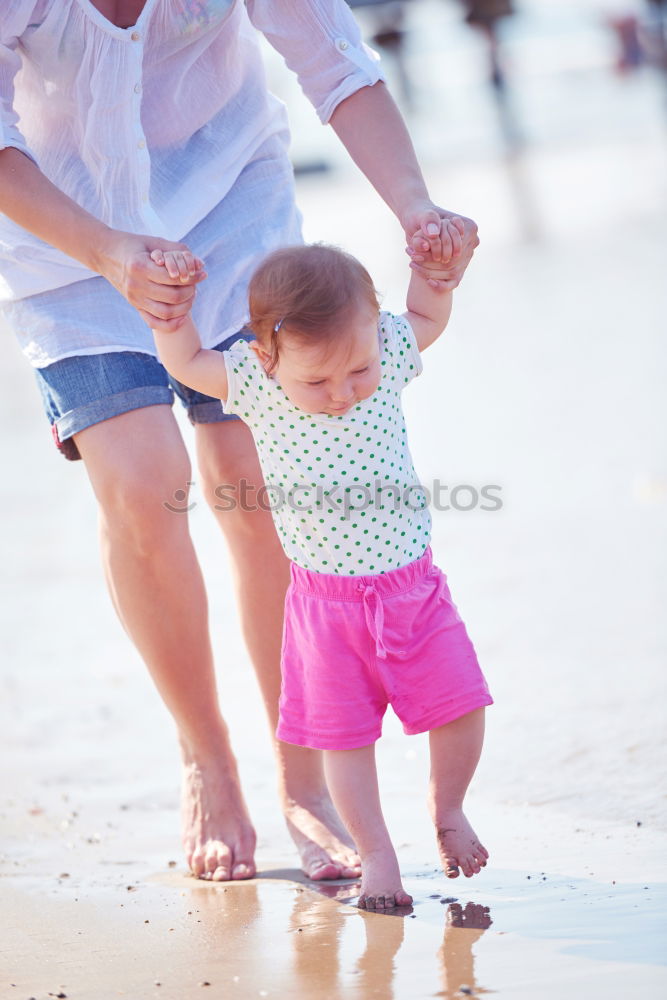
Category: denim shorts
[86,389]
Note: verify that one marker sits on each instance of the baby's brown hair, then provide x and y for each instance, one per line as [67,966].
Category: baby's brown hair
[306,291]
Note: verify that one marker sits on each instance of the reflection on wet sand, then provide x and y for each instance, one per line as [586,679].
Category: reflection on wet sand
[377,966]
[229,925]
[463,927]
[316,927]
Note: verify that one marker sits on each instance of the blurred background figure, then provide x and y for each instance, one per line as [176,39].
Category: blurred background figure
[388,33]
[653,34]
[485,15]
[389,28]
[630,52]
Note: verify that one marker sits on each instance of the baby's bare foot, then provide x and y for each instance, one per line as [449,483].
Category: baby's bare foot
[325,847]
[458,844]
[218,837]
[381,887]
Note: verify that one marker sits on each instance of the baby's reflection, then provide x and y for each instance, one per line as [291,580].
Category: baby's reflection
[317,928]
[464,925]
[376,966]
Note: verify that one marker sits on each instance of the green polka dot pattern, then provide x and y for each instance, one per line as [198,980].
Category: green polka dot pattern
[344,494]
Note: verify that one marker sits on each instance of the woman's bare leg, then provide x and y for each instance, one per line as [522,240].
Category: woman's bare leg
[227,455]
[455,752]
[135,461]
[352,778]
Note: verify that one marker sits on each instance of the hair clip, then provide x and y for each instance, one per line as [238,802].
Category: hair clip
[278,325]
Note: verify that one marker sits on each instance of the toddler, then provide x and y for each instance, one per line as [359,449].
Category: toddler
[369,620]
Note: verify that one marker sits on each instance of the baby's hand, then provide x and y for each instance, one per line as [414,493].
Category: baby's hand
[451,232]
[181,265]
[442,273]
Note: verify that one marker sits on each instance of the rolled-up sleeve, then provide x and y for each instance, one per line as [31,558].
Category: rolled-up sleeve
[320,41]
[11,23]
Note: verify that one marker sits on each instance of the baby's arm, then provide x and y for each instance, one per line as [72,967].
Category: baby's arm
[181,352]
[429,305]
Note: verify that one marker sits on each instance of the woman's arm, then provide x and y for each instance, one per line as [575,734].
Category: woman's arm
[371,128]
[33,202]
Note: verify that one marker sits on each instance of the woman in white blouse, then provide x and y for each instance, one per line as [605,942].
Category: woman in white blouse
[128,117]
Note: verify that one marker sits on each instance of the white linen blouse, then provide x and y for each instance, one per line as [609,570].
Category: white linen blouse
[149,127]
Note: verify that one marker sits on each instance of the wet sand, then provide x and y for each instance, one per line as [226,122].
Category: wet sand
[550,383]
[119,921]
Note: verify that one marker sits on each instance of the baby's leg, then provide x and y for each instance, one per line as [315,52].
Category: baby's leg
[455,751]
[352,780]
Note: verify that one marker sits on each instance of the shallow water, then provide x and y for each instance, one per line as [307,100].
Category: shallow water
[274,937]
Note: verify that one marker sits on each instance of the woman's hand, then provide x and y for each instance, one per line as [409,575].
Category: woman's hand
[431,234]
[125,261]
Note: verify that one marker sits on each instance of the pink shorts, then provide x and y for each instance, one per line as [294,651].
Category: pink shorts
[353,645]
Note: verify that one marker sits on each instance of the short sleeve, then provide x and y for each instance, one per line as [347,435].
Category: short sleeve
[321,42]
[399,348]
[235,369]
[13,22]
[245,382]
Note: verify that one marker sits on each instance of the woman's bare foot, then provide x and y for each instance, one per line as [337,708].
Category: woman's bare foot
[324,846]
[458,844]
[381,887]
[218,837]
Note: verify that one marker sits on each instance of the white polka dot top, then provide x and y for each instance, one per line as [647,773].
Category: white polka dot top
[342,488]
